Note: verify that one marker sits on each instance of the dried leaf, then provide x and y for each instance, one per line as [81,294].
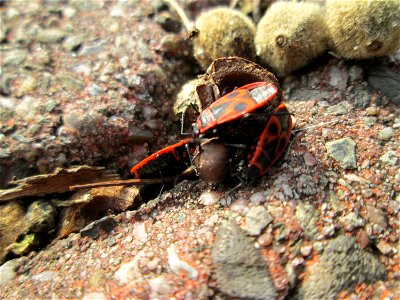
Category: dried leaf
[57,182]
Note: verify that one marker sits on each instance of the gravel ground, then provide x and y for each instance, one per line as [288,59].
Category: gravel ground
[94,83]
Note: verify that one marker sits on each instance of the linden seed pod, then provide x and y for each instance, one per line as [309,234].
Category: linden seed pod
[187,101]
[223,32]
[364,29]
[290,35]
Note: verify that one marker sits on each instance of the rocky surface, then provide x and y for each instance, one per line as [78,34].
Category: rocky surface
[93,82]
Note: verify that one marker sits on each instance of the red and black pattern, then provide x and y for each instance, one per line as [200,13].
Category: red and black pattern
[168,162]
[271,144]
[248,116]
[235,105]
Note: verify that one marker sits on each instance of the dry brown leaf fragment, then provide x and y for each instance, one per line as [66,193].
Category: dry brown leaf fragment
[57,182]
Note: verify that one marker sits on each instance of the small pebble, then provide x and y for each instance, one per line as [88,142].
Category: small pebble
[384,247]
[240,205]
[351,221]
[177,265]
[338,78]
[159,287]
[362,238]
[257,198]
[153,264]
[7,272]
[209,198]
[257,218]
[372,111]
[266,238]
[44,276]
[306,250]
[297,261]
[344,152]
[139,232]
[389,158]
[328,230]
[287,190]
[385,134]
[309,159]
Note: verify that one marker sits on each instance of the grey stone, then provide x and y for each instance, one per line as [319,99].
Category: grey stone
[94,89]
[28,84]
[137,134]
[40,216]
[86,123]
[306,185]
[351,221]
[385,134]
[307,216]
[339,109]
[386,81]
[143,51]
[29,108]
[5,153]
[72,43]
[44,276]
[342,265]
[362,98]
[14,57]
[369,121]
[84,5]
[94,47]
[376,216]
[338,78]
[308,95]
[69,83]
[93,229]
[344,152]
[337,206]
[257,218]
[240,270]
[7,272]
[356,73]
[389,158]
[5,80]
[50,35]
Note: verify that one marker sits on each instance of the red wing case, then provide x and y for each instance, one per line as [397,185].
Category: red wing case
[272,142]
[235,105]
[168,162]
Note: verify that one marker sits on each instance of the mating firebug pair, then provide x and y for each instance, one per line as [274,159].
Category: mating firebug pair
[245,119]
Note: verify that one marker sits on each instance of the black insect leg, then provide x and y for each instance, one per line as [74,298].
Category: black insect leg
[161,175]
[191,158]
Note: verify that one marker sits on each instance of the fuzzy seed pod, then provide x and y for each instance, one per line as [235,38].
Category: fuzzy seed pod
[223,32]
[187,101]
[364,29]
[290,35]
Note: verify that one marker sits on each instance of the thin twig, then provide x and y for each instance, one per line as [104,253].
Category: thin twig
[181,13]
[122,182]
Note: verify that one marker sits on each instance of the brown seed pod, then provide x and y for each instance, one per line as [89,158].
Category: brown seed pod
[212,161]
[364,29]
[226,74]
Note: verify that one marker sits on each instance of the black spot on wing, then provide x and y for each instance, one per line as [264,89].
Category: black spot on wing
[240,106]
[219,110]
[273,128]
